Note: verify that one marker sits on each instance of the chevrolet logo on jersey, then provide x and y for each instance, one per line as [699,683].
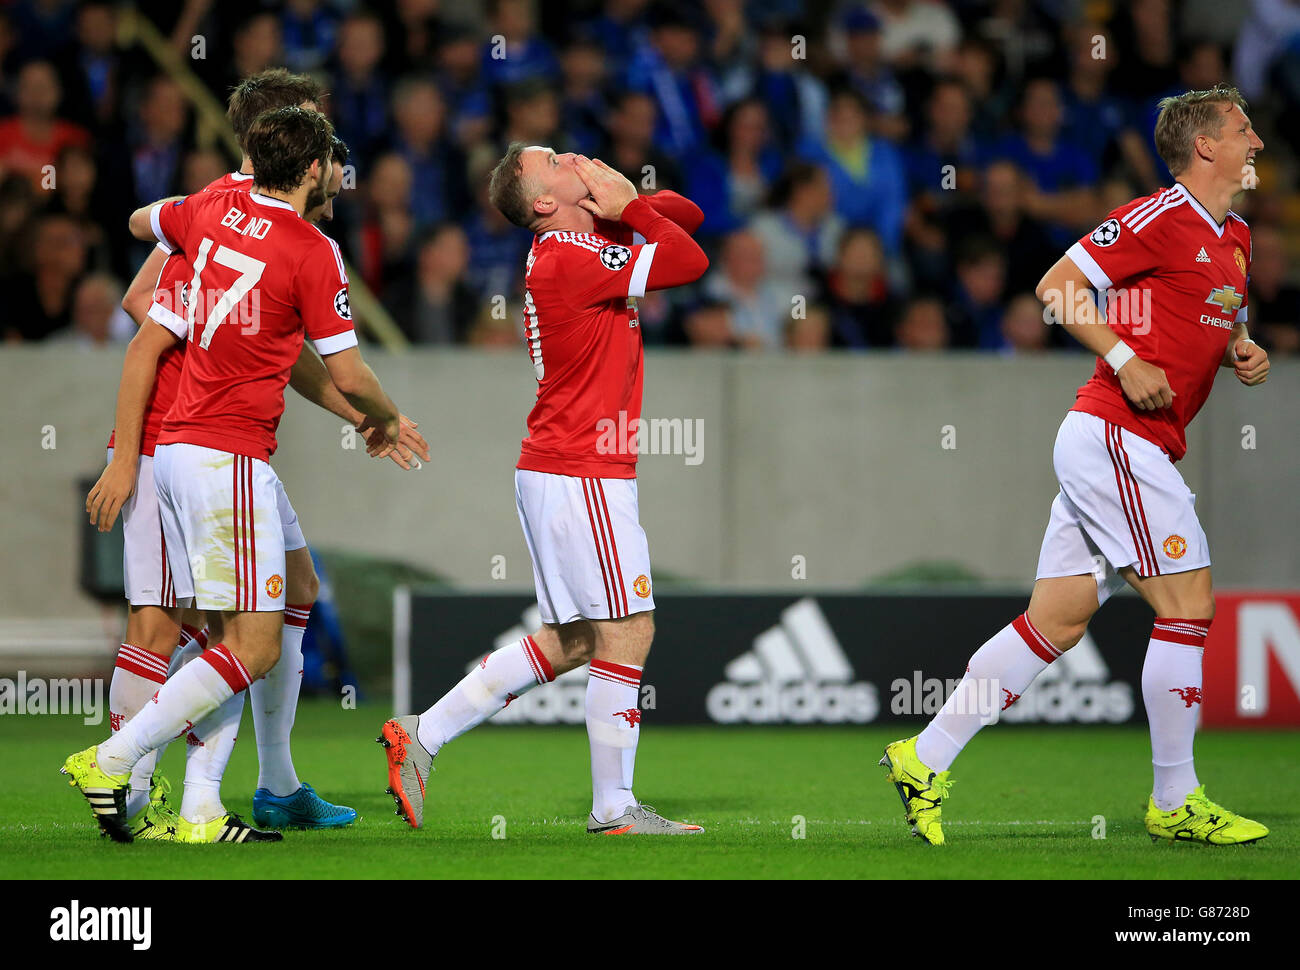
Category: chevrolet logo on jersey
[1227,297]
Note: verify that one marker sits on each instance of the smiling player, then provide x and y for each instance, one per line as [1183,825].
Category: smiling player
[1124,513]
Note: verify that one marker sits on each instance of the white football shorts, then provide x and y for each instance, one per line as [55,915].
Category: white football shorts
[148,575]
[224,526]
[1122,503]
[589,552]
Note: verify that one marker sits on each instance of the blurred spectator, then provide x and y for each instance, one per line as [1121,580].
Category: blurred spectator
[584,106]
[810,333]
[32,139]
[414,29]
[631,145]
[1143,33]
[800,233]
[382,236]
[200,168]
[1023,328]
[93,68]
[975,310]
[671,71]
[40,300]
[867,72]
[729,184]
[867,175]
[78,196]
[463,87]
[308,28]
[861,307]
[759,308]
[1274,301]
[1097,121]
[1062,175]
[918,34]
[257,46]
[156,144]
[358,100]
[999,213]
[525,55]
[708,326]
[1266,40]
[795,98]
[438,190]
[497,246]
[18,203]
[922,326]
[97,315]
[499,329]
[621,28]
[533,116]
[435,305]
[976,63]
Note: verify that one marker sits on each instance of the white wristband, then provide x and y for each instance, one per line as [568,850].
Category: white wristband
[1119,355]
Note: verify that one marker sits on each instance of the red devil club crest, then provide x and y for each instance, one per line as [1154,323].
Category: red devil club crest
[1009,698]
[1190,695]
[632,714]
[509,697]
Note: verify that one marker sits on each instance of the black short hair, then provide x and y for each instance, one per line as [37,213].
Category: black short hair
[282,144]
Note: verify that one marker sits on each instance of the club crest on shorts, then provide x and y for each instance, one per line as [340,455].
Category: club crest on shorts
[1175,546]
[615,257]
[1106,233]
[342,306]
[274,586]
[641,586]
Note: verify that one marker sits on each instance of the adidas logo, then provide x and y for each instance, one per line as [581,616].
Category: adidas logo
[1202,256]
[1074,687]
[796,672]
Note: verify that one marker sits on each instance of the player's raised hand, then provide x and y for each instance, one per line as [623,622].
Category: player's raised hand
[610,190]
[1250,363]
[1145,385]
[110,493]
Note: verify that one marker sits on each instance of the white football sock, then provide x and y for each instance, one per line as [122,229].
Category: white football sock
[275,703]
[209,745]
[498,679]
[613,729]
[1171,691]
[192,644]
[998,673]
[196,691]
[137,674]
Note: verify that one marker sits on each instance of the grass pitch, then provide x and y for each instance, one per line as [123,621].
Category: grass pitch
[1024,806]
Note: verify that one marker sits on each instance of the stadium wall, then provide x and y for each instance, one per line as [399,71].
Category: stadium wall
[862,465]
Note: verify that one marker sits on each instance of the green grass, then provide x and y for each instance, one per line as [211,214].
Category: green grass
[1022,807]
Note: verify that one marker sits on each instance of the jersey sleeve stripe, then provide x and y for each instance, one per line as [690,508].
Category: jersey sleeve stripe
[1139,210]
[1163,207]
[156,226]
[1083,259]
[169,319]
[336,342]
[641,271]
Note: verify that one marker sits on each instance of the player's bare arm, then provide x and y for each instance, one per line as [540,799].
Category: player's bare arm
[311,380]
[139,371]
[358,383]
[139,295]
[141,221]
[1248,359]
[1145,385]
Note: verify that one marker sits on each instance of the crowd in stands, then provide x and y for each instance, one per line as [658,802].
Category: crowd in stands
[874,175]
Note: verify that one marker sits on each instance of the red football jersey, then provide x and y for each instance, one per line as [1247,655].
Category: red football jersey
[167,309]
[580,320]
[262,276]
[1176,286]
